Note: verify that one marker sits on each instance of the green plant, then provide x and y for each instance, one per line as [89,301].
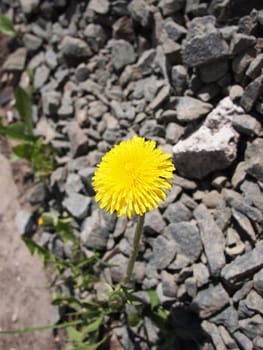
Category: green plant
[7,26]
[41,155]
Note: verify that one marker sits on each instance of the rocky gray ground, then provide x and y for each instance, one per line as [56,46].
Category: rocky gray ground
[189,75]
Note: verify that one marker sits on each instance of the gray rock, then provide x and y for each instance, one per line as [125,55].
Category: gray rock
[258,282]
[240,205]
[258,343]
[95,36]
[177,212]
[51,58]
[213,72]
[25,222]
[240,42]
[187,239]
[244,223]
[215,335]
[82,72]
[16,60]
[161,245]
[151,128]
[228,317]
[204,43]
[190,109]
[227,338]
[118,267]
[212,238]
[95,231]
[243,341]
[184,183]
[74,183]
[242,292]
[51,102]
[160,98]
[122,54]
[254,302]
[41,76]
[255,67]
[234,245]
[99,6]
[241,62]
[75,50]
[247,125]
[37,194]
[173,30]
[173,132]
[66,109]
[140,12]
[236,273]
[201,274]
[179,78]
[254,159]
[77,205]
[169,286]
[251,93]
[252,194]
[154,223]
[210,301]
[29,6]
[212,147]
[169,7]
[32,42]
[252,327]
[79,142]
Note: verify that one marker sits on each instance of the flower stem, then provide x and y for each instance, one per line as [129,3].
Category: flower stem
[135,248]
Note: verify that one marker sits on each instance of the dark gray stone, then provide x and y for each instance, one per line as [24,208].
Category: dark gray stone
[37,194]
[213,72]
[240,205]
[77,205]
[252,194]
[255,67]
[210,301]
[75,50]
[228,317]
[251,93]
[173,30]
[187,239]
[161,245]
[247,125]
[241,42]
[179,78]
[212,238]
[204,43]
[236,273]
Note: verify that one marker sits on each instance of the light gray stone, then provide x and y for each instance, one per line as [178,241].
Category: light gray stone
[258,282]
[99,6]
[16,60]
[161,245]
[122,53]
[190,109]
[212,147]
[154,223]
[77,205]
[252,327]
[29,6]
[75,50]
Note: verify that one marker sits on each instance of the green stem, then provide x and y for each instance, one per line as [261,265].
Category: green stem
[135,248]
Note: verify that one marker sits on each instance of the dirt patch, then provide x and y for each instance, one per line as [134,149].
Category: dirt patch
[24,293]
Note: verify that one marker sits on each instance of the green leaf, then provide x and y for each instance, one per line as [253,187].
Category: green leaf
[44,254]
[16,131]
[74,335]
[94,326]
[24,108]
[91,346]
[24,150]
[6,25]
[153,298]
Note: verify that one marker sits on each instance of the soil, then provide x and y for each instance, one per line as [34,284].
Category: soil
[24,293]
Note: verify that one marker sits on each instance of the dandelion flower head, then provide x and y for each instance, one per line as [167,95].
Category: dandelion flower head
[133,177]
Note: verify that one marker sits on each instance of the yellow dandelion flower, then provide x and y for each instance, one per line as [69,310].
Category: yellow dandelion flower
[133,177]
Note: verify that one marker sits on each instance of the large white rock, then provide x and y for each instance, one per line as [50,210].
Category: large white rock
[213,146]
